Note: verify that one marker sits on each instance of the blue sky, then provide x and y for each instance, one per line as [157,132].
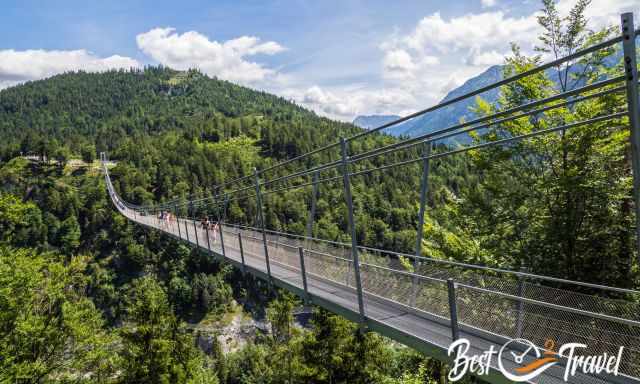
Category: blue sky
[340,58]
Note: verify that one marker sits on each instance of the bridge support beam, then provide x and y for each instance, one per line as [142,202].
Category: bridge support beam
[312,210]
[453,309]
[424,187]
[352,228]
[261,218]
[175,207]
[303,270]
[206,233]
[224,216]
[244,265]
[520,305]
[195,231]
[633,104]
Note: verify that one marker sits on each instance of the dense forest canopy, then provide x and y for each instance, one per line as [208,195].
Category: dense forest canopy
[87,296]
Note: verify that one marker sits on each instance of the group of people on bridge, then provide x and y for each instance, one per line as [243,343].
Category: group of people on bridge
[166,218]
[210,227]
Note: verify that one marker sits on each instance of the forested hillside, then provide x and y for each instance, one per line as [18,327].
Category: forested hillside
[171,134]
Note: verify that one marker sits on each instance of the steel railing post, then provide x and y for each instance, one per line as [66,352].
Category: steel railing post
[352,227]
[186,229]
[303,271]
[206,233]
[224,254]
[175,207]
[633,104]
[312,210]
[424,187]
[520,305]
[261,217]
[224,215]
[195,231]
[225,205]
[244,265]
[453,309]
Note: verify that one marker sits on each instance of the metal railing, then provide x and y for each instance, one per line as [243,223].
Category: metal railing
[459,295]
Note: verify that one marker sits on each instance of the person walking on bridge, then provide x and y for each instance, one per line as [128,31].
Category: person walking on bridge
[204,224]
[171,218]
[160,218]
[215,232]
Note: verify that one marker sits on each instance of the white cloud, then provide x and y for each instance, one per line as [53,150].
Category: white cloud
[488,58]
[225,60]
[398,60]
[328,102]
[488,3]
[472,32]
[20,66]
[346,102]
[601,13]
[439,54]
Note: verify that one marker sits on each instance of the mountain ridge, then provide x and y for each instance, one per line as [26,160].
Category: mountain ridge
[373,121]
[452,114]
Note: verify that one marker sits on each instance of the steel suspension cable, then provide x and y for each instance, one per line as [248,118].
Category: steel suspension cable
[532,104]
[434,137]
[497,84]
[497,142]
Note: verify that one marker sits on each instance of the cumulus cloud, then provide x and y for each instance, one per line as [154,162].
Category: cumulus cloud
[346,102]
[488,3]
[475,33]
[398,60]
[328,102]
[226,60]
[487,58]
[20,66]
[439,54]
[602,13]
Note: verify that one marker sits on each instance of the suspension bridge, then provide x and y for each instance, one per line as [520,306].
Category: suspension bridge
[436,302]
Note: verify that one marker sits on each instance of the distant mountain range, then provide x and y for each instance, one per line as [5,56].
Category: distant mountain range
[444,117]
[373,121]
[453,114]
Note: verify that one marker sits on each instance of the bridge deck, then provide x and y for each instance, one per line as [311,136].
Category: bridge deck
[428,332]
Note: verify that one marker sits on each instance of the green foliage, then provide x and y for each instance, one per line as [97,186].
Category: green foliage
[210,292]
[156,347]
[88,153]
[336,351]
[48,327]
[20,223]
[61,156]
[419,377]
[69,233]
[578,224]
